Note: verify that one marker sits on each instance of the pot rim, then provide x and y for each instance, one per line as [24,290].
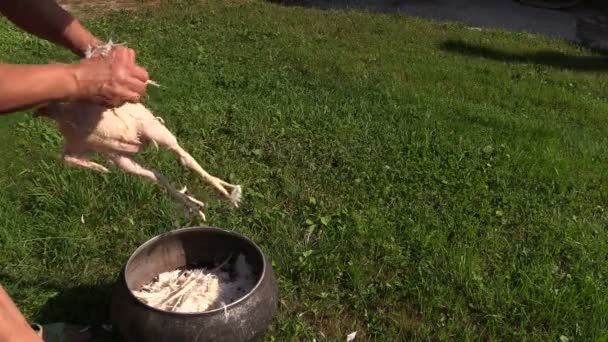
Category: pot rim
[193,228]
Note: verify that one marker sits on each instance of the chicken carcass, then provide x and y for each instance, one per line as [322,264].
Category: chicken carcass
[120,132]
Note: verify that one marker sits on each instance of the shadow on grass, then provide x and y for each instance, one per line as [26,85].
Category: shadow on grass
[366,5]
[549,58]
[80,304]
[83,305]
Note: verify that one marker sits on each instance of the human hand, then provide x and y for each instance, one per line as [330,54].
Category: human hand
[113,79]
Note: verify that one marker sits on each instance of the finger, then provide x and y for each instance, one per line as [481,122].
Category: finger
[131,55]
[135,85]
[133,97]
[139,73]
[125,94]
[120,54]
[127,55]
[115,56]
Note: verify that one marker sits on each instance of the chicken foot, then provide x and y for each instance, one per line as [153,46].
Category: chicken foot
[131,166]
[159,134]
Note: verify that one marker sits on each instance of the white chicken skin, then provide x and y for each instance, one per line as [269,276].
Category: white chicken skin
[119,133]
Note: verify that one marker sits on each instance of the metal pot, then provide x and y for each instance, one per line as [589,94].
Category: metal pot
[246,319]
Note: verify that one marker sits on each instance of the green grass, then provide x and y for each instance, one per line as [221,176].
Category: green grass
[409,179]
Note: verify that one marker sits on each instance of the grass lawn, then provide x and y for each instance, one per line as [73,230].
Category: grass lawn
[409,179]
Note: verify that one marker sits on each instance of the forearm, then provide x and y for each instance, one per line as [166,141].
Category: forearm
[25,85]
[13,326]
[51,22]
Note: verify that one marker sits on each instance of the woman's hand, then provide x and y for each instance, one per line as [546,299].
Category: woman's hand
[113,79]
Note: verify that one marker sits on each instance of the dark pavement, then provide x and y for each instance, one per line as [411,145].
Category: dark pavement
[502,14]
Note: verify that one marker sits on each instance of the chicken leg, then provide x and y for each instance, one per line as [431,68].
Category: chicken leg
[84,162]
[158,133]
[131,166]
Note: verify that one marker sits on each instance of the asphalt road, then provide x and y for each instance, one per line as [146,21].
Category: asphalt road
[502,14]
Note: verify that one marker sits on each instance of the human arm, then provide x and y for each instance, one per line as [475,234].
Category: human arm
[13,326]
[114,78]
[47,20]
[26,85]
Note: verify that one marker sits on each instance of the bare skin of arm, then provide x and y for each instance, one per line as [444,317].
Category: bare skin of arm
[23,86]
[106,79]
[112,79]
[51,22]
[13,326]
